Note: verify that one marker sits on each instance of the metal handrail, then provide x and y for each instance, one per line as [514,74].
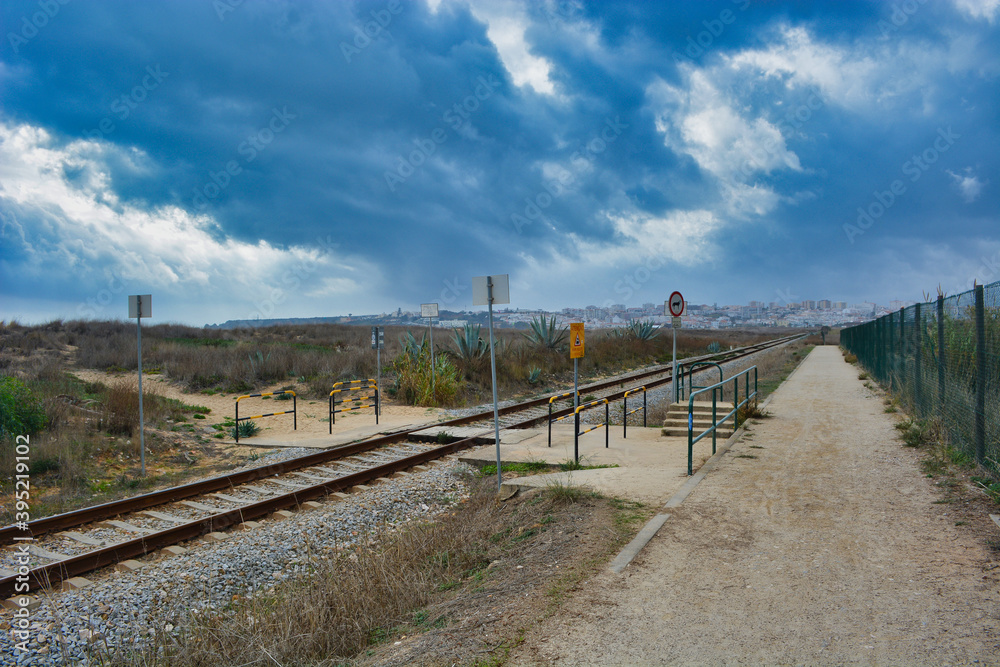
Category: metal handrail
[552,400]
[690,375]
[716,422]
[576,429]
[293,411]
[625,410]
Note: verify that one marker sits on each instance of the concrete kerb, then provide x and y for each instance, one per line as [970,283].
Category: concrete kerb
[648,532]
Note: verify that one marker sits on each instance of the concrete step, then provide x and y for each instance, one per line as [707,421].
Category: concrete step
[699,407]
[674,431]
[697,423]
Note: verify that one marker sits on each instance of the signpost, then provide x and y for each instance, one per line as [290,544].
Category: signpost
[430,311]
[675,308]
[378,342]
[576,337]
[487,290]
[140,306]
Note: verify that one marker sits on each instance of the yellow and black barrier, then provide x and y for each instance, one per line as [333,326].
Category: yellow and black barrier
[295,419]
[557,419]
[352,396]
[626,412]
[577,432]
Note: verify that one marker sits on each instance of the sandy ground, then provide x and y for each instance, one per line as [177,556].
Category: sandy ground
[827,548]
[312,429]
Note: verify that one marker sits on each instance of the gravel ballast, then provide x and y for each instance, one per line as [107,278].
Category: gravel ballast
[125,609]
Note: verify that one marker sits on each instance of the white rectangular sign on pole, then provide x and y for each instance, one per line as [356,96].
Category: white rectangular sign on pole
[481,293]
[428,310]
[140,305]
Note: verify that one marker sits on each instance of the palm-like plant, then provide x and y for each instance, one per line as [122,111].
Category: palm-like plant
[470,343]
[642,330]
[546,335]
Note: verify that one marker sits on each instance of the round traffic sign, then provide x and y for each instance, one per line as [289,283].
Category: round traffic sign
[676,304]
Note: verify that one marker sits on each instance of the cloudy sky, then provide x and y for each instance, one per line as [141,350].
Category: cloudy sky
[275,159]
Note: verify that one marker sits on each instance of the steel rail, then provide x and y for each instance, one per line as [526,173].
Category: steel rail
[66,520]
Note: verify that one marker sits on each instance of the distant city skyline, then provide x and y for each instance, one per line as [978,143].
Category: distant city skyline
[245,160]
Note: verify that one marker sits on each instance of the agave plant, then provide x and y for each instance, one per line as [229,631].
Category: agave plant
[411,347]
[546,335]
[642,330]
[714,347]
[470,343]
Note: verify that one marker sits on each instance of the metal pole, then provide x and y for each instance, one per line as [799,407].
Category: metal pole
[493,368]
[576,437]
[918,335]
[576,383]
[980,376]
[430,325]
[378,364]
[941,352]
[142,441]
[674,371]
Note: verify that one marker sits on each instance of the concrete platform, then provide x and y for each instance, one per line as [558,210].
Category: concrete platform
[651,466]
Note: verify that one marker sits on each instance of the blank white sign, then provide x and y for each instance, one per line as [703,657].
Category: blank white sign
[147,305]
[428,310]
[480,291]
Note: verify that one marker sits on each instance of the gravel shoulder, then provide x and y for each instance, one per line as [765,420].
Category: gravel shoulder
[817,541]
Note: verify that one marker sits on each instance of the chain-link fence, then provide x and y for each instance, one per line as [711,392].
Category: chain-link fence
[942,360]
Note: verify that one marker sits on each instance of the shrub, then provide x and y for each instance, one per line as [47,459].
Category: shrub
[121,407]
[247,429]
[21,412]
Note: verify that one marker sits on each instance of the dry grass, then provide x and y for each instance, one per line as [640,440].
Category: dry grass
[361,598]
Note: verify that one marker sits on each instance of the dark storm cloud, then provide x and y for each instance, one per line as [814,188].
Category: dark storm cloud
[743,131]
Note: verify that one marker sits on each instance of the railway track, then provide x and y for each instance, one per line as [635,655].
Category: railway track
[81,541]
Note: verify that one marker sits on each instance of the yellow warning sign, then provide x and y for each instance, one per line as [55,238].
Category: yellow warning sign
[576,340]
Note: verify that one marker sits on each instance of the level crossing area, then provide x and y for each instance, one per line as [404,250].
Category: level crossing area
[644,462]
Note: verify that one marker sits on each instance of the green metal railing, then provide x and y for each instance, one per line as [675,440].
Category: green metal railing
[716,390]
[690,375]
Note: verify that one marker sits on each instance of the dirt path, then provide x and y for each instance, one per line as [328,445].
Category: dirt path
[827,548]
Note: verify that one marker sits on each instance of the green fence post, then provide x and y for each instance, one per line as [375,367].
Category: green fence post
[902,351]
[891,358]
[918,339]
[940,346]
[980,375]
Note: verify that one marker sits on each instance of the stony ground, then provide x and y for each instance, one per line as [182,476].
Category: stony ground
[819,541]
